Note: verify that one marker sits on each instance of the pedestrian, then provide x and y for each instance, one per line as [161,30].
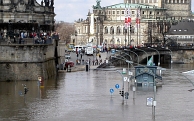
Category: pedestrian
[82,61]
[81,55]
[89,61]
[99,55]
[96,61]
[100,62]
[14,39]
[77,55]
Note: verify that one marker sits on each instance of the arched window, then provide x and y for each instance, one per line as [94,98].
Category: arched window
[124,30]
[112,30]
[118,30]
[132,29]
[105,41]
[105,30]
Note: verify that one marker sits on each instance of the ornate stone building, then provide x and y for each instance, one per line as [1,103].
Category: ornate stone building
[28,15]
[105,25]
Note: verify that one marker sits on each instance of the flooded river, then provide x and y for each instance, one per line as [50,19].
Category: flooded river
[85,96]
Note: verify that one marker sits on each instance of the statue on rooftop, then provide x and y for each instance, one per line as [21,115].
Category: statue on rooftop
[97,5]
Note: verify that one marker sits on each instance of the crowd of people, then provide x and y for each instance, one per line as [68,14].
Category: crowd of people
[97,60]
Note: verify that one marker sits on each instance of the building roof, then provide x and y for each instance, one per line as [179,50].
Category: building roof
[124,5]
[183,27]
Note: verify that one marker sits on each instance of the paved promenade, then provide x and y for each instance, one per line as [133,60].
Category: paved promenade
[104,56]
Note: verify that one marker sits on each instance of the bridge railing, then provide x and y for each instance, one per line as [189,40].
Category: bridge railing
[25,41]
[161,48]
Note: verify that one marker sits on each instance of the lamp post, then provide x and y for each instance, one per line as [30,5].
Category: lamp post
[170,54]
[177,40]
[129,62]
[135,54]
[128,55]
[125,36]
[76,36]
[144,52]
[158,55]
[125,54]
[154,100]
[122,82]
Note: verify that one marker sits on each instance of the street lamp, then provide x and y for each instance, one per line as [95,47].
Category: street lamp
[135,54]
[177,40]
[129,62]
[96,34]
[122,82]
[158,54]
[125,59]
[76,36]
[170,54]
[144,52]
[125,53]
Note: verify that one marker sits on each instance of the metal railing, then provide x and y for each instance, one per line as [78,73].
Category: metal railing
[25,41]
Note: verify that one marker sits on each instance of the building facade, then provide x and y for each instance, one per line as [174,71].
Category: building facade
[26,15]
[106,26]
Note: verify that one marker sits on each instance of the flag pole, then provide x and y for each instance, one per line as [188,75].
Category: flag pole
[129,22]
[130,27]
[137,25]
[126,21]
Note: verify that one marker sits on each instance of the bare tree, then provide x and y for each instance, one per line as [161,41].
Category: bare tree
[65,31]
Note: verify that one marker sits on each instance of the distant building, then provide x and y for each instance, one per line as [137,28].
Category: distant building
[106,25]
[181,33]
[26,15]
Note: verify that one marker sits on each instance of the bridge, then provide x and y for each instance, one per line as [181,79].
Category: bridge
[161,55]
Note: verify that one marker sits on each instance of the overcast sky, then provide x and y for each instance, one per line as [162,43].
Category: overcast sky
[71,10]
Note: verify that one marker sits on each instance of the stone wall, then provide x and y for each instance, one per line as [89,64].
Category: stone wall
[184,56]
[26,62]
[26,71]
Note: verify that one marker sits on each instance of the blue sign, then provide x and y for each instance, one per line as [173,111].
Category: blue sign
[111,90]
[117,86]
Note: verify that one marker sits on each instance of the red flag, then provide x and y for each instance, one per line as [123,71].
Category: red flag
[129,17]
[126,18]
[129,20]
[126,21]
[138,17]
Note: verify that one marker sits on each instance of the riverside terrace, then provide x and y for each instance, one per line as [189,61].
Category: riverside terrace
[25,41]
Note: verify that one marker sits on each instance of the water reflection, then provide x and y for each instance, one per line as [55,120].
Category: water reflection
[85,96]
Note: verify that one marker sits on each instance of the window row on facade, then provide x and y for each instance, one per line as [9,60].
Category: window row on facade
[177,1]
[142,1]
[185,30]
[133,12]
[181,36]
[119,30]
